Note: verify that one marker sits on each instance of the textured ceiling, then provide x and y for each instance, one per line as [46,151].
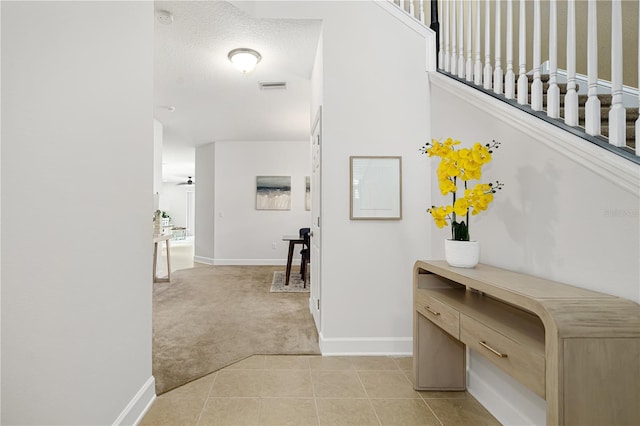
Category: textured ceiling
[214,101]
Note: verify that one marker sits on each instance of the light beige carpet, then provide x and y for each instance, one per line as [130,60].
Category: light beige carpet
[211,316]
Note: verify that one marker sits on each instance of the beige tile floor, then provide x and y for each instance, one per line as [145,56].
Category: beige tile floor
[314,390]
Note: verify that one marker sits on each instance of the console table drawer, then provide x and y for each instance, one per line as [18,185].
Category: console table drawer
[444,316]
[521,362]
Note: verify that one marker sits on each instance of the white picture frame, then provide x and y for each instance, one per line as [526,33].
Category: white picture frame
[376,187]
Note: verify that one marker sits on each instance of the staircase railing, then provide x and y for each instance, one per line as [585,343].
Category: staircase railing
[603,111]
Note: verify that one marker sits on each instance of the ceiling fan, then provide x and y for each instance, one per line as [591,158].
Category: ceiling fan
[188,182]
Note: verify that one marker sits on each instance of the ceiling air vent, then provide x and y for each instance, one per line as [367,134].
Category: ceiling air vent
[272,85]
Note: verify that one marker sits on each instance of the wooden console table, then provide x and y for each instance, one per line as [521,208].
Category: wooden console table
[578,349]
[156,240]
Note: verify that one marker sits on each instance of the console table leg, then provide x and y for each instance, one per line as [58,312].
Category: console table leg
[439,360]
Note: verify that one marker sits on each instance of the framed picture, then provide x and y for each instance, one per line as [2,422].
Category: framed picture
[376,188]
[307,193]
[273,192]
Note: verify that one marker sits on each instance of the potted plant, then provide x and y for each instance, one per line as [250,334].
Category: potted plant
[461,166]
[157,222]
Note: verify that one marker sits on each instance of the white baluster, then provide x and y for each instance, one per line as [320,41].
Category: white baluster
[571,98]
[402,4]
[421,16]
[523,81]
[592,107]
[454,35]
[617,113]
[469,72]
[477,71]
[638,120]
[536,86]
[412,9]
[498,74]
[461,40]
[488,71]
[510,77]
[441,43]
[447,53]
[553,93]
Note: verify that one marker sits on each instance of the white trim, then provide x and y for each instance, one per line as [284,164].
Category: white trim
[608,165]
[629,94]
[398,346]
[139,404]
[510,402]
[252,262]
[205,260]
[404,17]
[417,26]
[499,407]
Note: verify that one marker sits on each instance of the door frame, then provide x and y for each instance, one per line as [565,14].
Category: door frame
[315,295]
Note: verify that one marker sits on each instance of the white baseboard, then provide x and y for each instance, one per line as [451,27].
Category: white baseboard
[139,405]
[252,262]
[506,399]
[399,346]
[205,260]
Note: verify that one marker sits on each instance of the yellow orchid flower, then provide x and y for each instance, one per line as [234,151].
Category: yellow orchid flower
[464,164]
[461,206]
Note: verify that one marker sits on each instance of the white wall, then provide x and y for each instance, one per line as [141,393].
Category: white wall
[77,149]
[375,102]
[555,218]
[173,200]
[244,235]
[317,80]
[204,209]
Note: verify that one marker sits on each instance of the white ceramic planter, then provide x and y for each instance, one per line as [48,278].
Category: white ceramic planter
[462,254]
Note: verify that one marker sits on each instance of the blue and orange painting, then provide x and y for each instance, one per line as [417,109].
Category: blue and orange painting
[273,192]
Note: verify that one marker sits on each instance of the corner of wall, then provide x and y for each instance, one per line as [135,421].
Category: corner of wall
[135,410]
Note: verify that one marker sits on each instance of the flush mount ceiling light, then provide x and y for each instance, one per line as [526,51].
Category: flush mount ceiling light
[244,59]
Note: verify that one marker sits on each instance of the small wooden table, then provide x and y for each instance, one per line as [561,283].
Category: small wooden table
[293,240]
[156,240]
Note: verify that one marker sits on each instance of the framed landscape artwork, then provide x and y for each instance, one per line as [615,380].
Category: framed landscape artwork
[273,192]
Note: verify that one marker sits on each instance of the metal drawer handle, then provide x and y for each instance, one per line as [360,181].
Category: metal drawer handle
[432,311]
[500,354]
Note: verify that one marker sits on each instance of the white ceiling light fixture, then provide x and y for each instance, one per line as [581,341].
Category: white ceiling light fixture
[244,59]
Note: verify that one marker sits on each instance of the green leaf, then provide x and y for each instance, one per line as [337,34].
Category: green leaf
[460,231]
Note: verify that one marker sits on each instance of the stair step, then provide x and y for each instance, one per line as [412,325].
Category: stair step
[543,77]
[631,114]
[545,88]
[605,100]
[630,132]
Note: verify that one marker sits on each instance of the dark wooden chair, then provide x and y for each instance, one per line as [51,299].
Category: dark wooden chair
[305,254]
